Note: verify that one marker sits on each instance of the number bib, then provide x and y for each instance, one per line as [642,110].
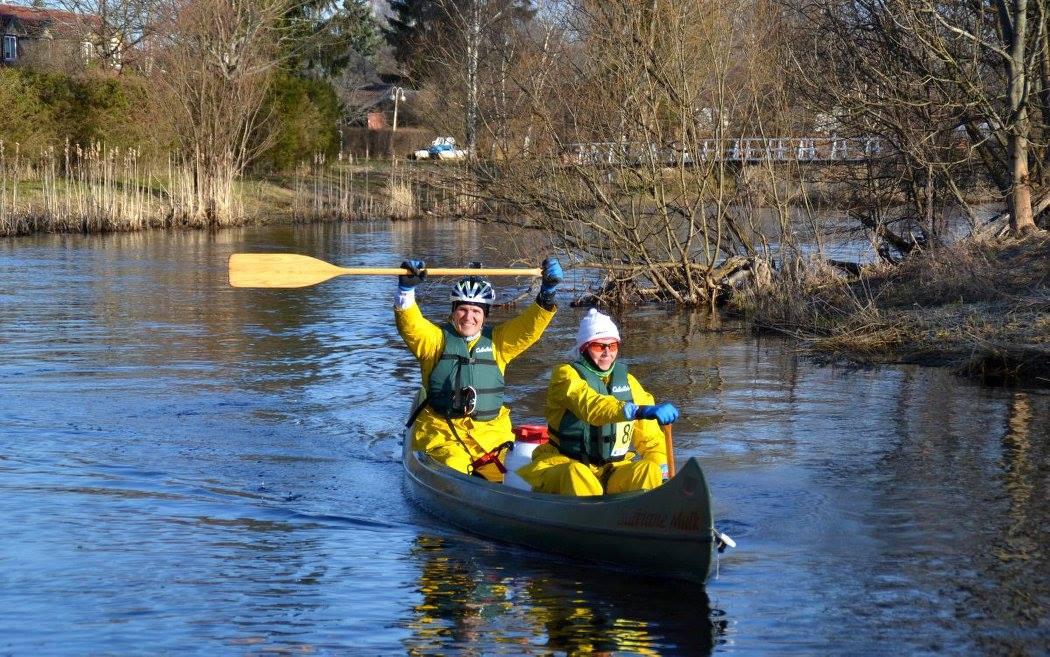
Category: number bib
[624,433]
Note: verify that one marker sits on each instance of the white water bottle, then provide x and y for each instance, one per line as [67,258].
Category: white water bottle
[526,439]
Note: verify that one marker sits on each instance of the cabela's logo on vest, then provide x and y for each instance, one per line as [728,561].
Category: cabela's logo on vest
[483,350]
[621,389]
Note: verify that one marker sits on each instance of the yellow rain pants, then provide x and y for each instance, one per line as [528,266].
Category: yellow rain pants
[553,472]
[431,433]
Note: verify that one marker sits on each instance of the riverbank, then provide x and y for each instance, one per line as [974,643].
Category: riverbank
[108,192]
[981,308]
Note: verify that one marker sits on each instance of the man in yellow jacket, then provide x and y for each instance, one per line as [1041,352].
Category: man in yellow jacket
[463,422]
[599,417]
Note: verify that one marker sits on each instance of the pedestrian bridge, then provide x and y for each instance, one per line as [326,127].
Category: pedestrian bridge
[745,150]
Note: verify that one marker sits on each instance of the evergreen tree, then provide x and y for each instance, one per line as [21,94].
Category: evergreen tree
[412,26]
[351,28]
[417,26]
[326,33]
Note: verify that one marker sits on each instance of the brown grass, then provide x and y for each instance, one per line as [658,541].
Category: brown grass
[981,307]
[106,190]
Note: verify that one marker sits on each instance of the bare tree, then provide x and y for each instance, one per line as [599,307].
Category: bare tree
[1001,35]
[114,28]
[470,59]
[215,65]
[623,169]
[949,84]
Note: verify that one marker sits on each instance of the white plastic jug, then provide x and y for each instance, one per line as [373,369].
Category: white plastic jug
[520,455]
[526,439]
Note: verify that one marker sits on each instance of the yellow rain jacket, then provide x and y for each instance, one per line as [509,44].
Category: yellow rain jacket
[426,341]
[569,391]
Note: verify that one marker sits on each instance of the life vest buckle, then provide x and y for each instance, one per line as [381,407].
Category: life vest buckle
[469,397]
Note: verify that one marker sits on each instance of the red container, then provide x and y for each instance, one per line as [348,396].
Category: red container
[531,433]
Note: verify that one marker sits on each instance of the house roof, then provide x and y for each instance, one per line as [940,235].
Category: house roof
[371,95]
[37,18]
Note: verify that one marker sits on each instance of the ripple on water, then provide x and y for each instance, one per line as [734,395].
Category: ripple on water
[190,468]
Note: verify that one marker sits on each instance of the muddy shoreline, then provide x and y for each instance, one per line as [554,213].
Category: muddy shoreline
[979,307]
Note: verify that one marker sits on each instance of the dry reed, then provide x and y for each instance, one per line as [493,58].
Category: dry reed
[100,189]
[96,189]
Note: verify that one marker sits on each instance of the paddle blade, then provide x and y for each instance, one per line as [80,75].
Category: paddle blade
[279,270]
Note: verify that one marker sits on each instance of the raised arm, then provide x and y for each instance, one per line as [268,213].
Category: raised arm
[423,337]
[514,336]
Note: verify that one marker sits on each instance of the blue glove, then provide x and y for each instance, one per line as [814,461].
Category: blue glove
[552,274]
[663,413]
[408,281]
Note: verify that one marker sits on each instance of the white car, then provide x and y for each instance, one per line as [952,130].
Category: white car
[442,148]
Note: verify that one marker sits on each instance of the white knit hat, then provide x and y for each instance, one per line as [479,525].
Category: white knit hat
[595,326]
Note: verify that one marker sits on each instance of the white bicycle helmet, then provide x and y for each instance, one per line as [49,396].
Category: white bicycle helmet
[473,289]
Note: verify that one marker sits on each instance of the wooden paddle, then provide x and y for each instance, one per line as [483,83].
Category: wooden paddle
[670,450]
[293,270]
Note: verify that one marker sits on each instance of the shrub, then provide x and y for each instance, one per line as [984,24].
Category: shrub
[25,119]
[97,108]
[305,114]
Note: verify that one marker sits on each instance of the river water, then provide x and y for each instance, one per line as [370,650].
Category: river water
[187,468]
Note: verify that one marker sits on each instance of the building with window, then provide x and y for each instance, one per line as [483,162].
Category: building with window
[39,36]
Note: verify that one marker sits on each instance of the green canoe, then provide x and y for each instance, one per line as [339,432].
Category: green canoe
[667,532]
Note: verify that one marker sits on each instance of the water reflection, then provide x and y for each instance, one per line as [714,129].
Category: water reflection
[479,598]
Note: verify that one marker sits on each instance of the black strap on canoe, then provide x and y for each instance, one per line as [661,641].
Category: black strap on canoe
[484,459]
[415,413]
[455,434]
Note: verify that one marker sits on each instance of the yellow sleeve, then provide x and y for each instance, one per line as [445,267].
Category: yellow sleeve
[514,336]
[649,441]
[569,392]
[424,338]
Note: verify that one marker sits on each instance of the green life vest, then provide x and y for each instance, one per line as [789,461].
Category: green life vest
[592,444]
[459,369]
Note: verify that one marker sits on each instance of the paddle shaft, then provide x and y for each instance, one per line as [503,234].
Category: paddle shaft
[438,271]
[670,450]
[294,270]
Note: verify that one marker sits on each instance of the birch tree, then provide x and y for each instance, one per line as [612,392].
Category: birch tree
[477,30]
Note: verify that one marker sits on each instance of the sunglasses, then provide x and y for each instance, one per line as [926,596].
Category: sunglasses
[599,347]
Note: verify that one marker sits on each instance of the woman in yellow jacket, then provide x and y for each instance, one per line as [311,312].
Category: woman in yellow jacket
[597,413]
[463,422]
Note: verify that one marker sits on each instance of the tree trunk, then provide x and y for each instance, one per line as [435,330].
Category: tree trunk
[1044,71]
[473,52]
[1021,220]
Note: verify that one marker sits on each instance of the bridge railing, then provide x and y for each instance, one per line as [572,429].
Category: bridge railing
[744,150]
